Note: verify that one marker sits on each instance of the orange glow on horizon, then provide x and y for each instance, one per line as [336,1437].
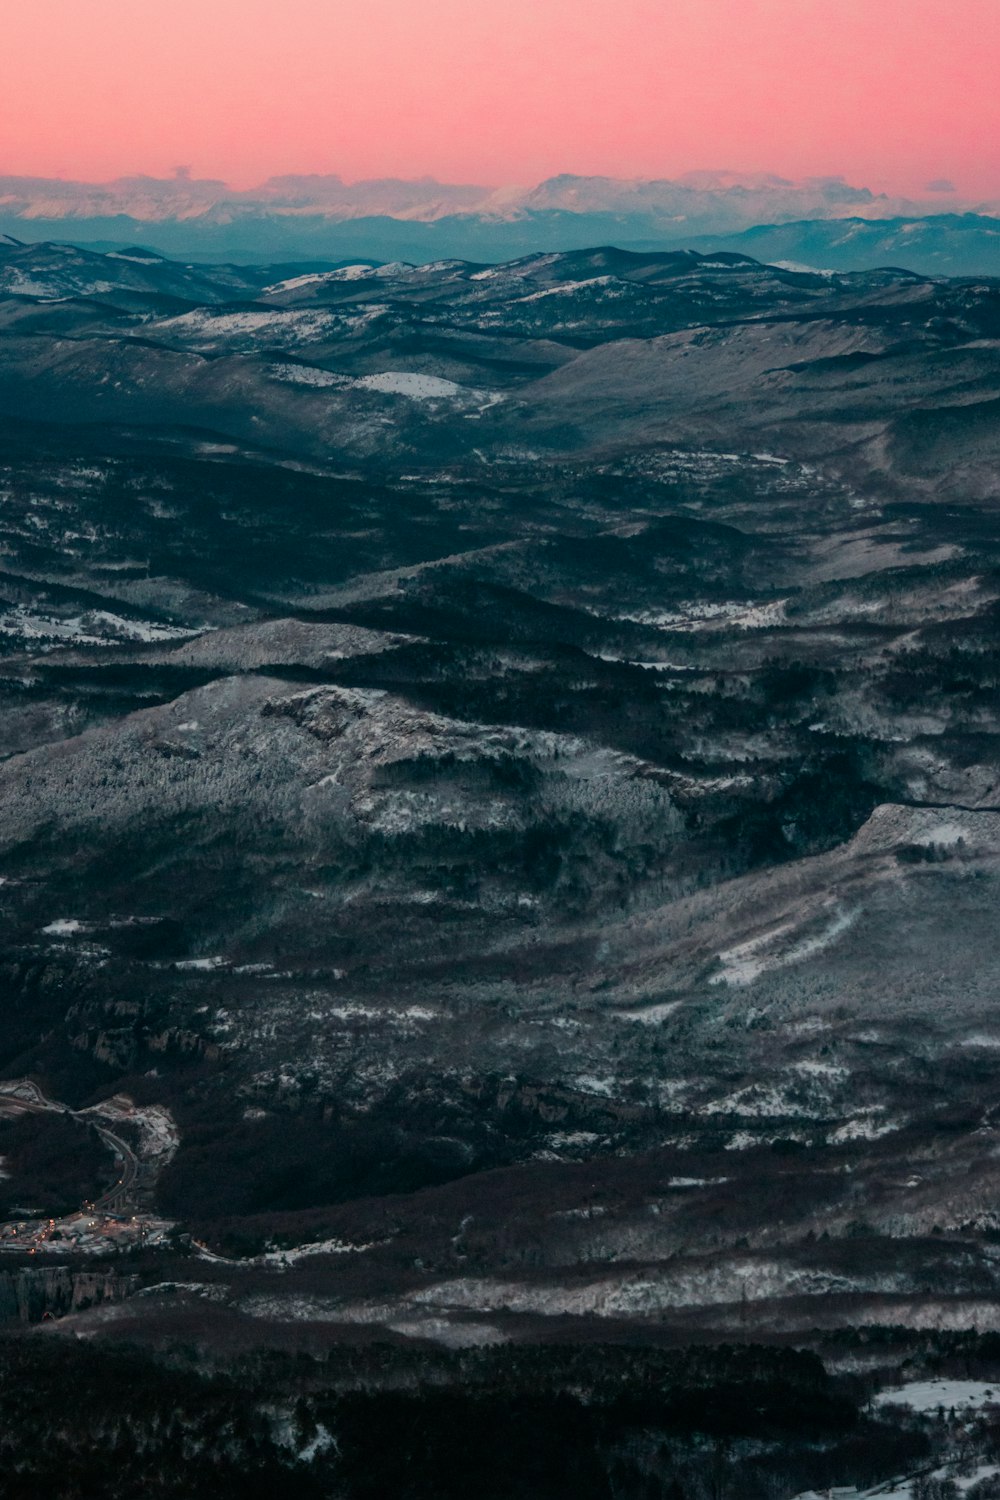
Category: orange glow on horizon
[890,93]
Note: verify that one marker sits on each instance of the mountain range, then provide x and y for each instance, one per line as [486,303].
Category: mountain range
[826,223]
[515,725]
[499,864]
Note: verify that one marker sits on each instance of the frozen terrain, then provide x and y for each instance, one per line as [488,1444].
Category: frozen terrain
[500,790]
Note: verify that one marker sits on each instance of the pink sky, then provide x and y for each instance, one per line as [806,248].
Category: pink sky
[890,93]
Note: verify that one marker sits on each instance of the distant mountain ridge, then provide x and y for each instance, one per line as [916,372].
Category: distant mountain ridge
[321,216]
[823,222]
[733,198]
[942,244]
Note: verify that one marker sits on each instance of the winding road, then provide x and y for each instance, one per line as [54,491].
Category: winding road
[118,1200]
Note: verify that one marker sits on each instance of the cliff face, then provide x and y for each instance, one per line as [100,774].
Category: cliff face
[27,1295]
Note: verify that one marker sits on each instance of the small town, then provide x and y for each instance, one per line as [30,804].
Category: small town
[116,1221]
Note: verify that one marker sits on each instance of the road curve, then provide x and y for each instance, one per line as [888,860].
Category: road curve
[118,1199]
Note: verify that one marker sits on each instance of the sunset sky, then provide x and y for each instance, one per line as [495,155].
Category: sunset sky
[890,93]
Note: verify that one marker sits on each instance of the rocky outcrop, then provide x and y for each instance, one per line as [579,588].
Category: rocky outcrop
[28,1296]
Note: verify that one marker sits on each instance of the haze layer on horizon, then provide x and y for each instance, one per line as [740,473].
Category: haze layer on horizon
[900,94]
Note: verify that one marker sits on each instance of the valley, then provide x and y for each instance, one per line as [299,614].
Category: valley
[500,796]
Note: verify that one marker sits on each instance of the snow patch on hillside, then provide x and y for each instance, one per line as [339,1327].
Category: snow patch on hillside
[408,383]
[205,327]
[306,375]
[732,614]
[319,278]
[929,1395]
[650,1015]
[453,1334]
[903,1489]
[865,1126]
[416,387]
[303,1252]
[746,962]
[97,627]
